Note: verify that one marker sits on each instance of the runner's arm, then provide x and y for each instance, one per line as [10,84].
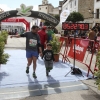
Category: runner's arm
[20,35]
[40,49]
[39,45]
[17,36]
[43,54]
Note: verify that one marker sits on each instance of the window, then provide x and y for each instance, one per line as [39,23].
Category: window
[75,2]
[46,7]
[39,8]
[97,13]
[71,5]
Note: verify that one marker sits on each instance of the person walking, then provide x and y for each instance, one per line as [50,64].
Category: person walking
[48,58]
[32,44]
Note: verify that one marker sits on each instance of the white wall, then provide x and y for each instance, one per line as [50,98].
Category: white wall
[96,6]
[70,5]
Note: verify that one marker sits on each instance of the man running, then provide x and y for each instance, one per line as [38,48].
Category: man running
[32,44]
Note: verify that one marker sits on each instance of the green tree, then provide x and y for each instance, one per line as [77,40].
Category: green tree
[46,23]
[75,17]
[3,56]
[97,73]
[57,17]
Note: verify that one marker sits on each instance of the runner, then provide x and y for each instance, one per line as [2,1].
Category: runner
[32,42]
[48,58]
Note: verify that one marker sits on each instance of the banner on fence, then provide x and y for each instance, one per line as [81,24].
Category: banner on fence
[80,49]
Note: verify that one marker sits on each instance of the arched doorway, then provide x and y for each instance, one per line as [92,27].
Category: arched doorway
[18,20]
[27,11]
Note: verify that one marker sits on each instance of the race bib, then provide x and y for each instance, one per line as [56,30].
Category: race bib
[32,42]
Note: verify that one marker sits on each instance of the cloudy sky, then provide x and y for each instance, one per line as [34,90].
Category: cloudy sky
[12,4]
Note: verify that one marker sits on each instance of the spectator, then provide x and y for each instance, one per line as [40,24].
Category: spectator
[49,34]
[43,36]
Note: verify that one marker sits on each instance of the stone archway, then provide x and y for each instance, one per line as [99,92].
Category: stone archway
[27,11]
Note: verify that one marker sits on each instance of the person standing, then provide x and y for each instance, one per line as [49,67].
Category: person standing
[32,44]
[92,36]
[49,34]
[48,58]
[43,37]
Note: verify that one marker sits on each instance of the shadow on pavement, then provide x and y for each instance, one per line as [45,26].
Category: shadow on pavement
[54,87]
[3,75]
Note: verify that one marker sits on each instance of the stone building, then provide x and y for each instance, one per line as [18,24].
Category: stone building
[81,6]
[96,11]
[48,8]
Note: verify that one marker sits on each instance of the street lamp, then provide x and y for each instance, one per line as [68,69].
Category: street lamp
[91,12]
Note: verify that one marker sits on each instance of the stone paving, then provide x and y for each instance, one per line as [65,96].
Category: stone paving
[92,94]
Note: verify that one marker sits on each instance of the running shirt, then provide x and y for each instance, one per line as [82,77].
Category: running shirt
[32,40]
[48,55]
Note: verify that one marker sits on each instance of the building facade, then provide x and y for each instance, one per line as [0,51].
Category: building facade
[97,11]
[48,8]
[71,5]
[81,6]
[45,7]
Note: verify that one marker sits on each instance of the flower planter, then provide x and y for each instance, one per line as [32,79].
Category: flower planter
[56,57]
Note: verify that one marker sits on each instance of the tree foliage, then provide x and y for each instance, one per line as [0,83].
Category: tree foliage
[97,73]
[55,42]
[75,17]
[57,17]
[46,23]
[3,56]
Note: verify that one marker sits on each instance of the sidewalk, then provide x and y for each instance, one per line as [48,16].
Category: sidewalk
[91,94]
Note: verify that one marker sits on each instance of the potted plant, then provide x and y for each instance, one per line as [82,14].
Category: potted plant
[3,56]
[5,35]
[55,47]
[97,73]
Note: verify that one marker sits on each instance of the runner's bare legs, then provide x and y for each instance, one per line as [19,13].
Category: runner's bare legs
[34,66]
[29,60]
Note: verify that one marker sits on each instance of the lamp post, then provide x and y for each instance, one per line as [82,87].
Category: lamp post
[91,12]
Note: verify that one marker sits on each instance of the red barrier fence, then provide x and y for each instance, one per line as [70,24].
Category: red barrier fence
[81,55]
